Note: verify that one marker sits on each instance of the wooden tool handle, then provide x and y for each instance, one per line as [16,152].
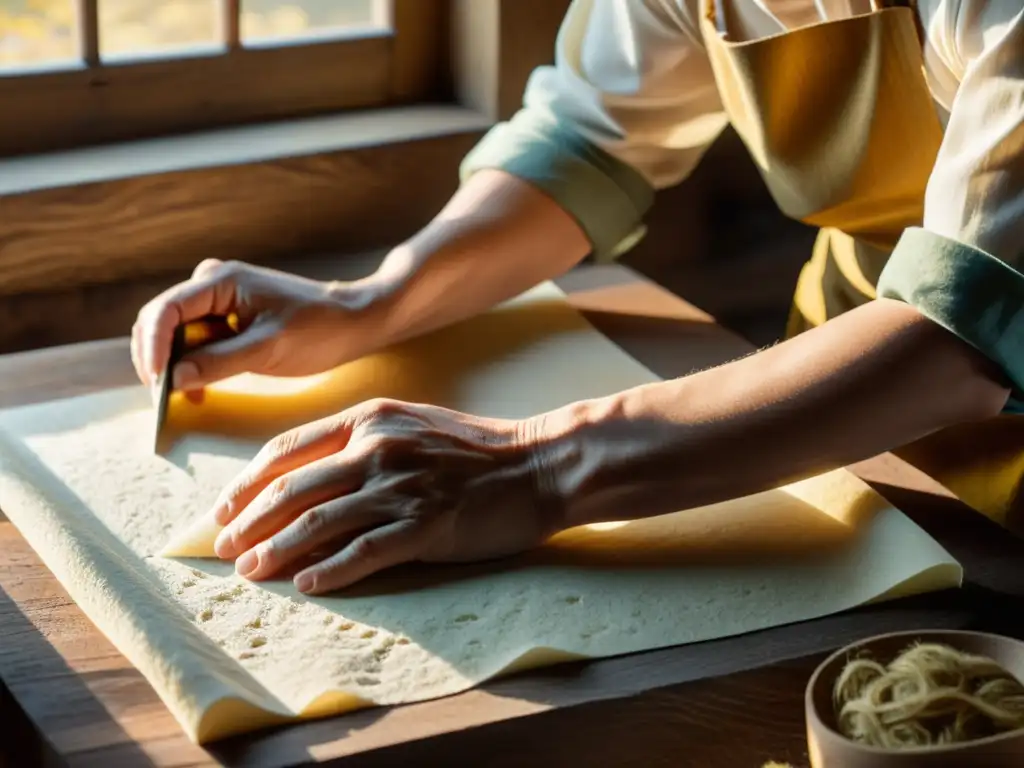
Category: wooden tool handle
[207,330]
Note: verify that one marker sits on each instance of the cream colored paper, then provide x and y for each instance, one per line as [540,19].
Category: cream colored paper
[79,480]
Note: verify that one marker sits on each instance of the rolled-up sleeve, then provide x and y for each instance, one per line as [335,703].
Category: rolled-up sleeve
[629,106]
[964,268]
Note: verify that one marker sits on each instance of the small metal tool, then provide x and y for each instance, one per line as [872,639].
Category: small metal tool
[187,338]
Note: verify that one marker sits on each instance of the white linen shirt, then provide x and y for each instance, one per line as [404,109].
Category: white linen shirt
[630,106]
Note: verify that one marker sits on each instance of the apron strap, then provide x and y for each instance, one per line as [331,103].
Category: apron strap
[912,5]
[714,11]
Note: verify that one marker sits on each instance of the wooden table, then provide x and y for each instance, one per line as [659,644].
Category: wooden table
[68,696]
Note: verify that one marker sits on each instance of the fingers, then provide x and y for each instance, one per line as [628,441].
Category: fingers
[328,523]
[211,291]
[284,499]
[136,352]
[207,267]
[377,549]
[285,453]
[248,351]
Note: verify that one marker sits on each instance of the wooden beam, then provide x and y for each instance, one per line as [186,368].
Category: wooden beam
[476,55]
[421,40]
[358,198]
[105,102]
[497,45]
[231,23]
[66,240]
[70,109]
[89,32]
[527,29]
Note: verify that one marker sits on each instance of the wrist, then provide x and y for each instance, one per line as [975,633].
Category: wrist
[357,298]
[638,453]
[575,460]
[402,298]
[362,307]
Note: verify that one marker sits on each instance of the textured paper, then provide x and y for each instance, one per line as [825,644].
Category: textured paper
[79,480]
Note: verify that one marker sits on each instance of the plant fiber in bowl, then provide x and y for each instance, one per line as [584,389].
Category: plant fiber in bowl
[828,748]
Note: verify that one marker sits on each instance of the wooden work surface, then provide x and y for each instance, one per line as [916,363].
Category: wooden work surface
[67,696]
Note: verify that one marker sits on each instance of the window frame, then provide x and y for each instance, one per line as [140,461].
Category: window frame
[74,223]
[99,102]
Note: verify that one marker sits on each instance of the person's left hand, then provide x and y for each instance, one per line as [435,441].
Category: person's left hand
[382,484]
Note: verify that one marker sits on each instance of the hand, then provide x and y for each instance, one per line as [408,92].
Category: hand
[381,484]
[291,326]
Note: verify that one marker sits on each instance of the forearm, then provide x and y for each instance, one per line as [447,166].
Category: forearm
[497,237]
[869,381]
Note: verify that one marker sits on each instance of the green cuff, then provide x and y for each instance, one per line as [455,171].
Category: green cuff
[967,291]
[607,197]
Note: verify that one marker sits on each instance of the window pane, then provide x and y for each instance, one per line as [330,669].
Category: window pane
[37,32]
[284,19]
[157,27]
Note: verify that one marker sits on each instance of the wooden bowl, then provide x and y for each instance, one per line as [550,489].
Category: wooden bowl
[830,749]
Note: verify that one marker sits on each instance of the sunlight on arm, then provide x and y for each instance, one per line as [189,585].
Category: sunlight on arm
[611,526]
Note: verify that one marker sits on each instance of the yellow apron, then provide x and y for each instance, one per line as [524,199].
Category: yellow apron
[840,121]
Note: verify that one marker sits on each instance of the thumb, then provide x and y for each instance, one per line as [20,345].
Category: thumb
[248,352]
[206,267]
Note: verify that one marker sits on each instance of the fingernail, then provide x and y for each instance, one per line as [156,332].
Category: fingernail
[223,545]
[247,563]
[220,513]
[303,582]
[154,393]
[185,373]
[195,396]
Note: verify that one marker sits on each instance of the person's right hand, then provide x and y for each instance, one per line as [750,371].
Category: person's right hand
[290,325]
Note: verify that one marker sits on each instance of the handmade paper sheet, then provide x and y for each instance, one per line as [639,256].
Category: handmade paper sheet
[79,479]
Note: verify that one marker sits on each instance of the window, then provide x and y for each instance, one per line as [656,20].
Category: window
[77,72]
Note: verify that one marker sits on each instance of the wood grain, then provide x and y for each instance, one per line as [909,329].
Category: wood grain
[143,224]
[117,102]
[528,30]
[89,32]
[75,668]
[498,44]
[47,319]
[420,68]
[231,23]
[476,55]
[75,265]
[353,200]
[723,704]
[230,84]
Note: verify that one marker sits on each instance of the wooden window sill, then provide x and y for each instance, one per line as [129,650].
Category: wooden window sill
[395,56]
[86,235]
[341,183]
[262,143]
